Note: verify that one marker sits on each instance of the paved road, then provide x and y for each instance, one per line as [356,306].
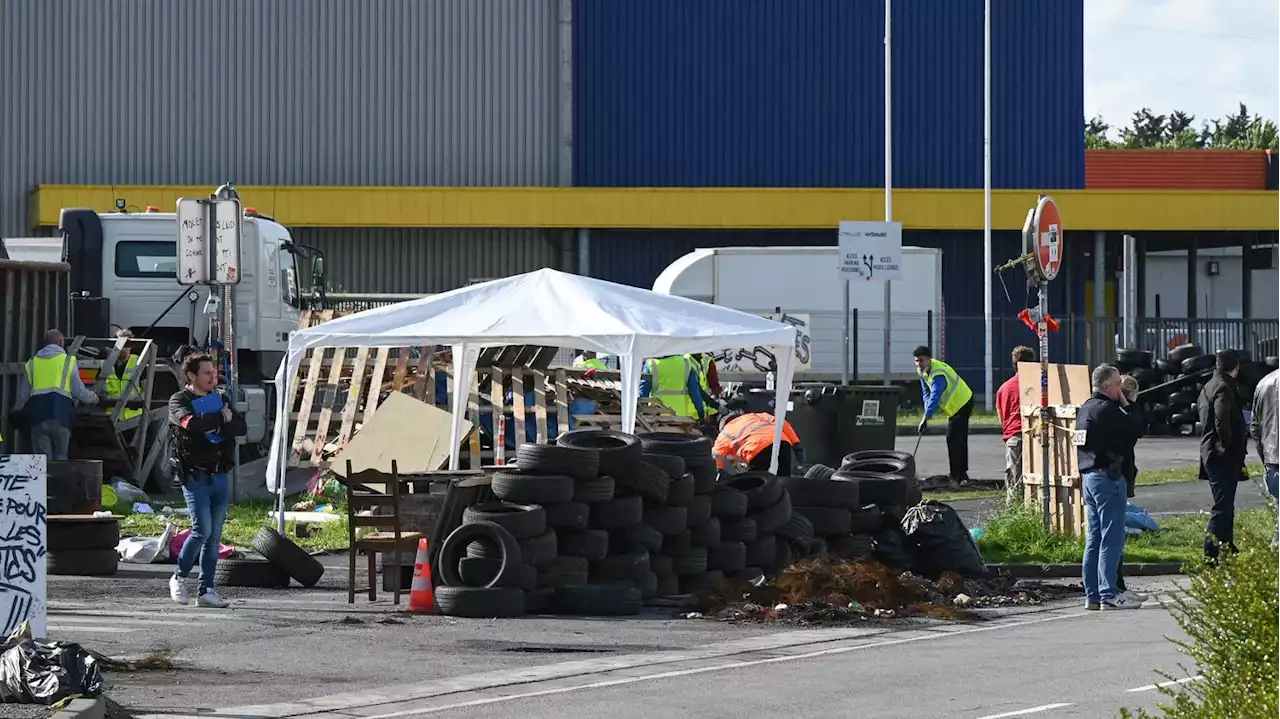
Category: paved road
[986,454]
[1053,661]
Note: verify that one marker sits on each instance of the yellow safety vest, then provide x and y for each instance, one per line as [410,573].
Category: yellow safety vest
[593,363]
[51,375]
[703,367]
[669,384]
[957,392]
[115,387]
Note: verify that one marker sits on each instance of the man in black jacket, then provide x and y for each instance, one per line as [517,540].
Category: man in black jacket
[1223,448]
[1104,439]
[203,429]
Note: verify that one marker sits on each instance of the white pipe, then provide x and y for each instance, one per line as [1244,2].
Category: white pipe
[987,263]
[888,175]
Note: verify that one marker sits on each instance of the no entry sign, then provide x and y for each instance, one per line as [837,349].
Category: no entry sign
[1048,238]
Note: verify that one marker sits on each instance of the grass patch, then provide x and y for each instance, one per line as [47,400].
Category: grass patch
[244,519]
[1173,475]
[911,417]
[1016,534]
[951,495]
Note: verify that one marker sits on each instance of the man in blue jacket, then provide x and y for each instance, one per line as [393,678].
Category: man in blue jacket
[48,391]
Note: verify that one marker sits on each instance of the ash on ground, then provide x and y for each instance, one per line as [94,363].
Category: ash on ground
[828,590]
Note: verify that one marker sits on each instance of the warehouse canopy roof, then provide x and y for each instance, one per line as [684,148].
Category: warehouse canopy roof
[548,307]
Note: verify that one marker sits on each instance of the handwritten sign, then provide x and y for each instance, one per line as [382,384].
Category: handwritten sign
[761,359]
[194,246]
[23,542]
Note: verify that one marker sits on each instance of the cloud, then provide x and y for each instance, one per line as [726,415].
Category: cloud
[1199,56]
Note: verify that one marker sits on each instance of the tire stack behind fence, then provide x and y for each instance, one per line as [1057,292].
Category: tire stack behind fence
[1170,385]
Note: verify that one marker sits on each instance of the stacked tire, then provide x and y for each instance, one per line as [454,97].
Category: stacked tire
[754,538]
[82,546]
[684,561]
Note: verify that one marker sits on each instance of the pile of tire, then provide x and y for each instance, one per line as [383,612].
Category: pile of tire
[853,512]
[281,561]
[1181,374]
[82,546]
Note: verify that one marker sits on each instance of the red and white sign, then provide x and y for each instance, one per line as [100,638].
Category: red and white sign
[1048,228]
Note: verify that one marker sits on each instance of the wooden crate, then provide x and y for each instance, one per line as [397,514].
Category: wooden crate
[1068,388]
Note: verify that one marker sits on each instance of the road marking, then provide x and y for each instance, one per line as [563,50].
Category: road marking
[1024,712]
[93,630]
[1162,685]
[699,670]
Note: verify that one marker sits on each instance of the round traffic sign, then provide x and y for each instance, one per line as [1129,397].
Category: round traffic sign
[1048,228]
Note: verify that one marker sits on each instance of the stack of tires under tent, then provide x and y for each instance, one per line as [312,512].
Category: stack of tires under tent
[1170,385]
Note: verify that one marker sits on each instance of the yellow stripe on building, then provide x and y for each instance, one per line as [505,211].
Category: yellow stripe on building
[698,208]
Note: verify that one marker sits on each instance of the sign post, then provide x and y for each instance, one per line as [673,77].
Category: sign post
[869,252]
[1042,239]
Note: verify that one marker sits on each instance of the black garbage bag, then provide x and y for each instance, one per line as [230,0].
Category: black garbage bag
[940,541]
[45,672]
[889,547]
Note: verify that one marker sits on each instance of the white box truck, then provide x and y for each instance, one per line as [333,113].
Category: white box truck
[804,284]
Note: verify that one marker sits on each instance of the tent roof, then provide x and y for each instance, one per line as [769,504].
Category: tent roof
[553,308]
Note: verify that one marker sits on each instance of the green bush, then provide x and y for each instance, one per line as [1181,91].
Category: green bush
[1229,615]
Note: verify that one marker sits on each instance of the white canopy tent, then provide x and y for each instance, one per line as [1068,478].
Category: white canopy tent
[547,308]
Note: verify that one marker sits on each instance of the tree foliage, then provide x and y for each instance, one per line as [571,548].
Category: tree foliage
[1177,130]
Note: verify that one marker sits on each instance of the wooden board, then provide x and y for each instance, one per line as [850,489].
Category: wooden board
[1068,388]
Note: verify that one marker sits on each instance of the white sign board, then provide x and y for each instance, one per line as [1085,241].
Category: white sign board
[24,541]
[870,251]
[194,247]
[760,359]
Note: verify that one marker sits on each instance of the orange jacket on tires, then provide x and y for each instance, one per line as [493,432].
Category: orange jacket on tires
[748,435]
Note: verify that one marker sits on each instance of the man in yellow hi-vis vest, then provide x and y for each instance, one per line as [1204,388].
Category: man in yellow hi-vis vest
[118,378]
[673,381]
[946,394]
[588,360]
[47,396]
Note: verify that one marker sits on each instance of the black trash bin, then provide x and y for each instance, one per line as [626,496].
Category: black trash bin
[870,418]
[833,421]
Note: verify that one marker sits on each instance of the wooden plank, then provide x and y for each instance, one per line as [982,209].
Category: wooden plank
[474,436]
[375,381]
[328,397]
[562,401]
[402,366]
[424,388]
[497,413]
[352,404]
[517,402]
[308,397]
[540,404]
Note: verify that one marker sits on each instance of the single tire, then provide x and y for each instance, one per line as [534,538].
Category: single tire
[250,573]
[685,446]
[1133,358]
[662,565]
[1183,419]
[728,503]
[876,488]
[908,460]
[598,600]
[699,583]
[882,465]
[854,546]
[539,601]
[1166,368]
[648,586]
[477,572]
[762,551]
[83,563]
[521,520]
[645,536]
[1146,377]
[840,490]
[577,462]
[294,560]
[915,495]
[699,510]
[563,572]
[1198,364]
[748,574]
[677,543]
[591,544]
[760,488]
[680,492]
[540,550]
[516,486]
[493,538]
[618,513]
[827,521]
[782,556]
[797,527]
[704,476]
[671,464]
[567,515]
[65,534]
[743,530]
[691,562]
[819,471]
[865,520]
[667,520]
[669,585]
[705,534]
[1182,399]
[1181,353]
[817,547]
[646,480]
[479,602]
[594,491]
[727,556]
[770,519]
[629,567]
[619,452]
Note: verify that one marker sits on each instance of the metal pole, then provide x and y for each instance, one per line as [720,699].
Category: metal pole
[1042,329]
[848,337]
[1130,291]
[987,277]
[888,176]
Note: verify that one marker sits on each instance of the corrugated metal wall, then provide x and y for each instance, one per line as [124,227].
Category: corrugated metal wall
[304,92]
[403,260]
[768,93]
[636,257]
[1176,169]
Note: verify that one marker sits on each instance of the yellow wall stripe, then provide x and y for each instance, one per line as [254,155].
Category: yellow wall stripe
[781,208]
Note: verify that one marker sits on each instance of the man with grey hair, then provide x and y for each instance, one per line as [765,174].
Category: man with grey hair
[1106,432]
[48,390]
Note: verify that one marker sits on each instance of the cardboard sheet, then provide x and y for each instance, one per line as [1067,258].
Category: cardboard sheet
[413,433]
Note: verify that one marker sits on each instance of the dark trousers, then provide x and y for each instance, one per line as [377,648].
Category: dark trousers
[958,441]
[760,462]
[1222,516]
[1120,575]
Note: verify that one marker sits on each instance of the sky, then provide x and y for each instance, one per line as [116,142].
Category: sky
[1202,57]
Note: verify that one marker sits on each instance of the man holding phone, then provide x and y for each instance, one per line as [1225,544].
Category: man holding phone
[203,429]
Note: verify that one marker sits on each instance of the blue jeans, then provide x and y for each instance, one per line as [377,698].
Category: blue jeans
[207,497]
[1104,502]
[1273,479]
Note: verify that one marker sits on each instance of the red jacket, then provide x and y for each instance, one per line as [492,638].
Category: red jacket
[1009,405]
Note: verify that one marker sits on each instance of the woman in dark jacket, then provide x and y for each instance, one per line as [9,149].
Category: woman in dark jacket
[1130,387]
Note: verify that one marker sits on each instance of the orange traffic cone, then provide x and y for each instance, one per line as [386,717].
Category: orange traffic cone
[422,598]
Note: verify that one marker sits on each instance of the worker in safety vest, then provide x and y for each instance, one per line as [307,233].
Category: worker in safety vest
[589,361]
[705,365]
[946,394]
[673,381]
[47,396]
[746,443]
[118,377]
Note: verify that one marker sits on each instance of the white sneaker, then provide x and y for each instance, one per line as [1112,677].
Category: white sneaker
[212,599]
[1135,596]
[178,589]
[1121,601]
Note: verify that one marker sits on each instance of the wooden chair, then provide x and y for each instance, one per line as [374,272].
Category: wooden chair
[390,540]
